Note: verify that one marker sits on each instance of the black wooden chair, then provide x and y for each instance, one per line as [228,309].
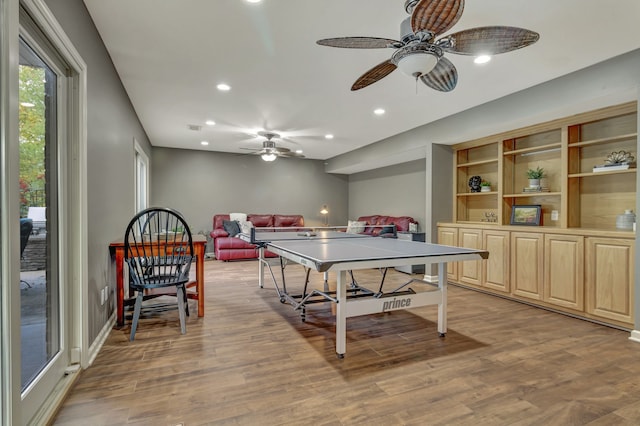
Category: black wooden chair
[158,252]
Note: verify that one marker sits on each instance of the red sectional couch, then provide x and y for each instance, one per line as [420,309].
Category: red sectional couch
[375,223]
[232,248]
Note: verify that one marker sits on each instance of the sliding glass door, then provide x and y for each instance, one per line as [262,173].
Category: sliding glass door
[44,348]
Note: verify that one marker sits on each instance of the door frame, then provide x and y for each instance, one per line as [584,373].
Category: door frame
[73,228]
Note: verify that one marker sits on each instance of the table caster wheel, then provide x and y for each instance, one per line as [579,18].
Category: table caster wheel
[282,300]
[340,356]
[441,334]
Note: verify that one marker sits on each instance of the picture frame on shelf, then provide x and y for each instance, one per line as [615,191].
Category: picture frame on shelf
[528,215]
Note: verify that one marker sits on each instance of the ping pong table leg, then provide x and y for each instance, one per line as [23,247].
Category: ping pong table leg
[261,267]
[442,306]
[341,314]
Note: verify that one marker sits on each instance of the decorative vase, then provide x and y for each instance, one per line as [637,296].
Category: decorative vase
[474,183]
[485,189]
[625,221]
[534,183]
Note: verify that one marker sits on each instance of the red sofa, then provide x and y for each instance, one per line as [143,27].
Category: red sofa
[375,223]
[233,248]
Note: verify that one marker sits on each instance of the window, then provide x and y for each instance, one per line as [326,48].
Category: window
[142,177]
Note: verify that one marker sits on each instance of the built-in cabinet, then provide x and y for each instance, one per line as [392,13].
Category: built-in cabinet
[526,264]
[576,260]
[609,278]
[449,237]
[496,270]
[564,271]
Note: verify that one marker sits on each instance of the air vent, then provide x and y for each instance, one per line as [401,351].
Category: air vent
[195,127]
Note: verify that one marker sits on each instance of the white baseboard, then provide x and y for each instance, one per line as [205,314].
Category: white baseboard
[100,339]
[635,336]
[433,279]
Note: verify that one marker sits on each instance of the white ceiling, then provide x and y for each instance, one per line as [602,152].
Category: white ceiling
[170,56]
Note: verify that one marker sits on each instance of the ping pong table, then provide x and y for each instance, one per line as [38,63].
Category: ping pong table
[336,251]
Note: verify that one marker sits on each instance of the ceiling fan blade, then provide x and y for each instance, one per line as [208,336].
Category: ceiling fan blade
[280,150]
[291,155]
[488,40]
[436,16]
[376,73]
[360,42]
[443,77]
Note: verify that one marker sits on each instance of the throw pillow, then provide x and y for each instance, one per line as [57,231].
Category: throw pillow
[231,227]
[239,217]
[245,226]
[355,227]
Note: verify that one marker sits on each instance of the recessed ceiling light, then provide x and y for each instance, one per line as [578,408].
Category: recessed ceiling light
[254,1]
[204,143]
[210,123]
[223,87]
[482,59]
[328,136]
[298,151]
[379,111]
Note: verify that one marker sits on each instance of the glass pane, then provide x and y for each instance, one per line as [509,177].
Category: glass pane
[39,284]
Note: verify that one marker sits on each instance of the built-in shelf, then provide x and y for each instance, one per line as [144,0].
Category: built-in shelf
[535,149]
[531,194]
[478,163]
[476,194]
[613,172]
[567,150]
[604,140]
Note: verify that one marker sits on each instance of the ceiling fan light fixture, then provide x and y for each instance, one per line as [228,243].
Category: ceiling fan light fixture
[268,157]
[417,59]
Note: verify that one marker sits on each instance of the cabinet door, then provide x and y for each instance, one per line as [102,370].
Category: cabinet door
[449,237]
[610,281]
[527,250]
[470,271]
[564,270]
[495,270]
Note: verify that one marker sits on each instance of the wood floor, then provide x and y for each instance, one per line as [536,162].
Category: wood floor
[251,361]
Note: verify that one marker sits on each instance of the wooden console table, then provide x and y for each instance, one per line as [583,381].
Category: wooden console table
[116,249]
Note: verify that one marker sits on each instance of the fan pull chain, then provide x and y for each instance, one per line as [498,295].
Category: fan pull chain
[416,84]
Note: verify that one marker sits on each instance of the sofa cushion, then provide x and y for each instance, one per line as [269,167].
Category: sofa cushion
[281,220]
[232,227]
[219,219]
[233,243]
[261,220]
[401,223]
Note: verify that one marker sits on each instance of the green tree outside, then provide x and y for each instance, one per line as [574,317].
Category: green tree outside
[32,135]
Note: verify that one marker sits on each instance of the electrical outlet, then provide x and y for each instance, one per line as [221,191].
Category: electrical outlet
[554,215]
[106,294]
[102,296]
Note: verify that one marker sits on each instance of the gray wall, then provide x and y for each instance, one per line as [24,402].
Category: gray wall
[201,184]
[397,190]
[112,125]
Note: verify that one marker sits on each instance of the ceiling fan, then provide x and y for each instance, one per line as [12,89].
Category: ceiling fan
[419,54]
[270,151]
